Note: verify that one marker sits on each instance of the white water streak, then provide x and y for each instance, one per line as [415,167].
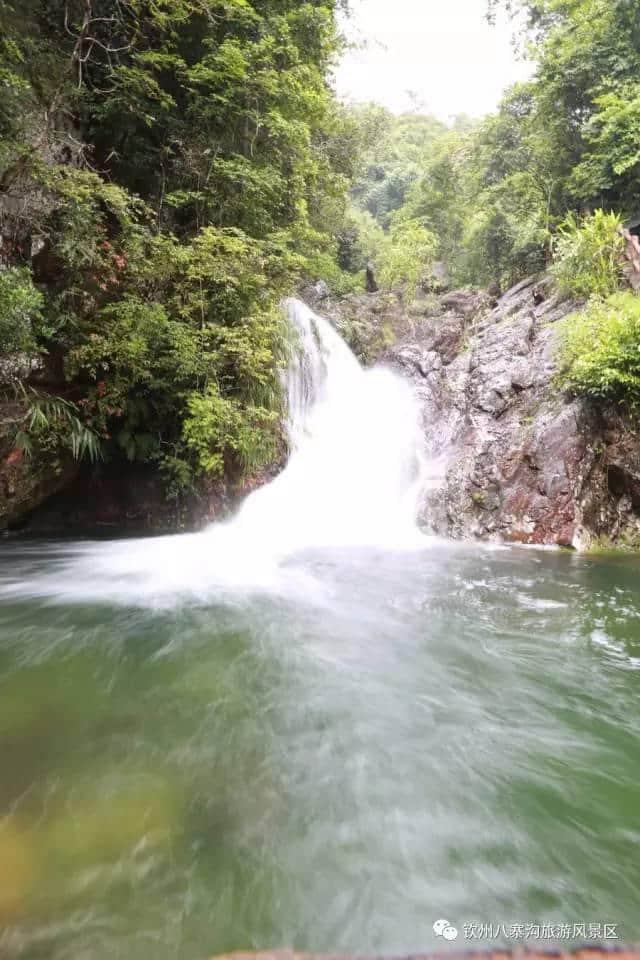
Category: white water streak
[354,475]
[353,479]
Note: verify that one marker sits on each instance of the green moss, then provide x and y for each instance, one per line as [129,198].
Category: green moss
[627,542]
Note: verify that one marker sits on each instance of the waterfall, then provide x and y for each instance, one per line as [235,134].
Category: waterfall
[354,474]
[353,479]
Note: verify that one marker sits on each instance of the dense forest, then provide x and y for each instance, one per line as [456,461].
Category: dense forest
[495,193]
[167,173]
[170,170]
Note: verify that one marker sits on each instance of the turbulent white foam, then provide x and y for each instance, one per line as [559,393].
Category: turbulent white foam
[354,474]
[353,479]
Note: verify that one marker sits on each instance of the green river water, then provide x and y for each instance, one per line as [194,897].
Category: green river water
[332,761]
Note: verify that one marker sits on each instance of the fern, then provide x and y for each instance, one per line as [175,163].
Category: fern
[48,416]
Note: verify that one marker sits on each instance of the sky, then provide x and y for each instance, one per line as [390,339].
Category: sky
[443,51]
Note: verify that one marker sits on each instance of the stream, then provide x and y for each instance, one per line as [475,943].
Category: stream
[314,726]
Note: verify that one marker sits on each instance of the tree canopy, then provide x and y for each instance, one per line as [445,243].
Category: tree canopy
[495,192]
[167,171]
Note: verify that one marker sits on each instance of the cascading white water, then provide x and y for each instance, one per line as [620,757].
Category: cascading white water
[355,470]
[353,479]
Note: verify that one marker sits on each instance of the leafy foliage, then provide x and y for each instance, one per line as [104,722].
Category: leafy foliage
[475,186]
[20,306]
[495,193]
[361,240]
[394,153]
[192,166]
[589,255]
[408,256]
[246,432]
[54,422]
[583,100]
[600,350]
[386,226]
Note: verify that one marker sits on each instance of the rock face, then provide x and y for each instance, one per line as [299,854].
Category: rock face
[112,499]
[24,483]
[519,461]
[513,458]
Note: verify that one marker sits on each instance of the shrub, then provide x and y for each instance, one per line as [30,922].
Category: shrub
[588,255]
[218,426]
[20,305]
[600,350]
[51,423]
[408,256]
[360,241]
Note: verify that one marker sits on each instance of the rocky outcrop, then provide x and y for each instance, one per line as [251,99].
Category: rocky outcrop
[25,485]
[519,460]
[114,498]
[513,458]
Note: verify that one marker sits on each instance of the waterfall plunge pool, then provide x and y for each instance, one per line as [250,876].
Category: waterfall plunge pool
[313,726]
[332,762]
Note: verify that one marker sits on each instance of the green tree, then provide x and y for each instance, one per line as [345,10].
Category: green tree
[177,167]
[407,258]
[589,255]
[394,153]
[584,95]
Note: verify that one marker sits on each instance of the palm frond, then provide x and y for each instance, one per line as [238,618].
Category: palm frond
[47,414]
